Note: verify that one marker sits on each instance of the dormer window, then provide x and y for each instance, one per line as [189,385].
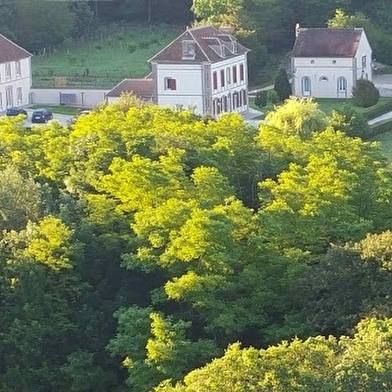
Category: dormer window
[188,50]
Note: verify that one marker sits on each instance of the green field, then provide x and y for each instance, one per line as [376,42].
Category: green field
[103,60]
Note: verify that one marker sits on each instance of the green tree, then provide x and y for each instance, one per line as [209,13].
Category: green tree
[20,200]
[83,18]
[351,122]
[41,24]
[365,93]
[282,85]
[321,197]
[360,363]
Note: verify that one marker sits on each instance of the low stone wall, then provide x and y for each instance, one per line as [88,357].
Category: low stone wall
[84,98]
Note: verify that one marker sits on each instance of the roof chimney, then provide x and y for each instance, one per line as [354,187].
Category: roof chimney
[297,28]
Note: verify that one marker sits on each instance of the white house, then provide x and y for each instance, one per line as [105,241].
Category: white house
[204,69]
[15,74]
[326,63]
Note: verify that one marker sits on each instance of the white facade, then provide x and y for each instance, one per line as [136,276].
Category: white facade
[204,69]
[15,83]
[231,82]
[180,85]
[206,88]
[331,77]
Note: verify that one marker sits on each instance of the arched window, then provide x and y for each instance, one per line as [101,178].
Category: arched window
[323,79]
[305,85]
[342,84]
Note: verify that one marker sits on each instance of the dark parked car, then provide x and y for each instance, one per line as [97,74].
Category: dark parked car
[14,111]
[41,116]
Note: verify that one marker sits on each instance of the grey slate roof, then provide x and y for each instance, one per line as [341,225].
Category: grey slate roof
[142,88]
[209,42]
[9,51]
[323,42]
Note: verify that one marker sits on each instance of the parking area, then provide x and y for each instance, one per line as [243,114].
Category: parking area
[63,119]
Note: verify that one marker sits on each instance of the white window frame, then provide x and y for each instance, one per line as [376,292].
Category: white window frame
[364,61]
[188,50]
[342,84]
[167,82]
[306,86]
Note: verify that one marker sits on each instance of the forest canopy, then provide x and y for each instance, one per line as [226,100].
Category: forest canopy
[141,243]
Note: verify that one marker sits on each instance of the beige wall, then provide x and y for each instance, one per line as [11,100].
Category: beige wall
[87,98]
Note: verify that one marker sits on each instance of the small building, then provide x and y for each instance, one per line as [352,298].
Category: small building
[326,62]
[141,88]
[15,74]
[204,69]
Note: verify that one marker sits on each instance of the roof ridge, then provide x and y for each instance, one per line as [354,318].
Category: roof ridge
[170,43]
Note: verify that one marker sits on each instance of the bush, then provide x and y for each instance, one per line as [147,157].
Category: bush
[273,97]
[365,93]
[261,98]
[381,127]
[131,48]
[282,85]
[350,122]
[378,110]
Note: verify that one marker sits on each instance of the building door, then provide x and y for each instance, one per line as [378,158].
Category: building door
[342,87]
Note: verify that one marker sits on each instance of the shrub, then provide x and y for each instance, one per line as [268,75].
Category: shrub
[365,93]
[72,59]
[144,44]
[131,48]
[378,110]
[282,85]
[261,98]
[273,97]
[381,127]
[350,122]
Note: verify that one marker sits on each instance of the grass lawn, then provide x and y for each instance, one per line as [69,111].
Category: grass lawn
[68,110]
[385,140]
[111,55]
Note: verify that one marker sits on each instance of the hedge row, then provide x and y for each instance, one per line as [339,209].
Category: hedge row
[381,127]
[377,110]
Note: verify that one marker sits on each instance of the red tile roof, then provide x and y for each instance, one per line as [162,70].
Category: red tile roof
[142,88]
[211,45]
[9,51]
[322,42]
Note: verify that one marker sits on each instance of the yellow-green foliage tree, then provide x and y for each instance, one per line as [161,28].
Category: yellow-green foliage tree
[360,363]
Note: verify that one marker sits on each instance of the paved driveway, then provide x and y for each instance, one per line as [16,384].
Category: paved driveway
[62,118]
